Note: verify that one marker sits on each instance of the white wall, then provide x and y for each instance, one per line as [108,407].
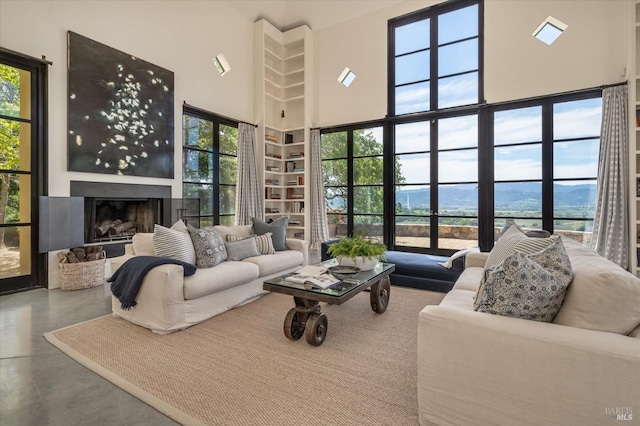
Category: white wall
[590,53]
[182,36]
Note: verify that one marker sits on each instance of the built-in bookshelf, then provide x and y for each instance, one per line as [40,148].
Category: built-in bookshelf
[283,104]
[634,133]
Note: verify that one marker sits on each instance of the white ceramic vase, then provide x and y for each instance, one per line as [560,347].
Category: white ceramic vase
[364,263]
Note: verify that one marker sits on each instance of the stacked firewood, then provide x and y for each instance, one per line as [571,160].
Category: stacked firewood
[82,254]
[115,228]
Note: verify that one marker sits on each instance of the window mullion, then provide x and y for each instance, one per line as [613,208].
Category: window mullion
[547,166]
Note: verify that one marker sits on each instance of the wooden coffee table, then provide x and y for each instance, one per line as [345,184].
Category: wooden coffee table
[306,318]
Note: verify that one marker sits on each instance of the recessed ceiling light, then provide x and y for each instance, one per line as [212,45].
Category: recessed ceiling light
[347,77]
[221,64]
[549,30]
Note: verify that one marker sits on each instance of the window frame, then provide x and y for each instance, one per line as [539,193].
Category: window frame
[215,184]
[430,13]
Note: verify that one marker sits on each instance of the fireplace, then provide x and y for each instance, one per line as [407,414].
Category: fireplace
[113,219]
[114,212]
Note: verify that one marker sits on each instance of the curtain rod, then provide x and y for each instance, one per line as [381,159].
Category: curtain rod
[204,111]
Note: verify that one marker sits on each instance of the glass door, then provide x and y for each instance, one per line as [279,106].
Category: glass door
[20,137]
[436,184]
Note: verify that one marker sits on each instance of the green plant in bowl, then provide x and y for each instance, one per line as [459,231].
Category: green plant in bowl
[358,250]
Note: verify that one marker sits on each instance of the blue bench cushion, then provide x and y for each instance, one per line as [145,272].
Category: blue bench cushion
[417,270]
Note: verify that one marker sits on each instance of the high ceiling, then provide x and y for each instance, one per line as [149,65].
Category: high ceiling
[317,14]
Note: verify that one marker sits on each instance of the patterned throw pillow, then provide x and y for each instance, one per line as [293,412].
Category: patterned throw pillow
[264,242]
[528,286]
[173,244]
[208,246]
[242,249]
[278,229]
[512,240]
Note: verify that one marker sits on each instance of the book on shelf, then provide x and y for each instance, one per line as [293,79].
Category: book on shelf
[273,168]
[270,138]
[299,169]
[314,275]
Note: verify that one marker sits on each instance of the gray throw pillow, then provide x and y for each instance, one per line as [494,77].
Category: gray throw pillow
[209,247]
[278,229]
[264,242]
[242,249]
[528,286]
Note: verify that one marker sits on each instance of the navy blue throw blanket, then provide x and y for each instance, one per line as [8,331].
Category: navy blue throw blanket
[126,282]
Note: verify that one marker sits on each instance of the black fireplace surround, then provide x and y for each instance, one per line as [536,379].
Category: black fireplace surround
[113,212]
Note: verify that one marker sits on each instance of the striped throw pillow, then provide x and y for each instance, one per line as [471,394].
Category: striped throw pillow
[264,242]
[173,244]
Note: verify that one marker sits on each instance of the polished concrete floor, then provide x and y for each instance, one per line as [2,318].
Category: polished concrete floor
[39,385]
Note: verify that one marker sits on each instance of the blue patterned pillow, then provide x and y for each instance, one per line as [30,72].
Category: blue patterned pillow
[209,247]
[528,286]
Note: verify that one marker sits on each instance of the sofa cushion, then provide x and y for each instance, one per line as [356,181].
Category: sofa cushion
[173,244]
[277,262]
[220,277]
[241,249]
[602,295]
[528,286]
[278,229]
[143,244]
[239,230]
[264,242]
[209,247]
[469,280]
[459,299]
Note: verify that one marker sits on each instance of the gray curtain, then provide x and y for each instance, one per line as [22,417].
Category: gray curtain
[611,227]
[319,228]
[248,190]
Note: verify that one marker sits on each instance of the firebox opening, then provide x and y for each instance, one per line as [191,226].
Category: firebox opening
[120,219]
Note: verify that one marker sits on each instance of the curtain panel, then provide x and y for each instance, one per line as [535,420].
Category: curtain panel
[248,190]
[318,214]
[611,222]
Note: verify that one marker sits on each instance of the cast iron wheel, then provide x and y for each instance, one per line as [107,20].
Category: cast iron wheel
[316,329]
[293,329]
[380,294]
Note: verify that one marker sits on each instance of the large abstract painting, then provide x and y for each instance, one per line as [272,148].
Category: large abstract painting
[120,112]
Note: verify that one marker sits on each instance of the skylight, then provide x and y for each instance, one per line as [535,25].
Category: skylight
[549,30]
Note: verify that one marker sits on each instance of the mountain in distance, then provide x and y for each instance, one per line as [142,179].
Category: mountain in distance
[507,195]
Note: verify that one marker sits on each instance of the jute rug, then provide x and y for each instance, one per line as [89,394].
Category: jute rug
[238,368]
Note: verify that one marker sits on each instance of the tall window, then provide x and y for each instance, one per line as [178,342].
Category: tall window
[435,58]
[353,173]
[210,146]
[546,164]
[435,65]
[22,143]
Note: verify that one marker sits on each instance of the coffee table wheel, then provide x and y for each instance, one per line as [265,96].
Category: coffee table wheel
[379,296]
[316,329]
[293,329]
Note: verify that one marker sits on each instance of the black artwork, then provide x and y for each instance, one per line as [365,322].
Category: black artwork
[120,112]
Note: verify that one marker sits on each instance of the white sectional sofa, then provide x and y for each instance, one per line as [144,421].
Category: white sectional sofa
[168,301]
[583,368]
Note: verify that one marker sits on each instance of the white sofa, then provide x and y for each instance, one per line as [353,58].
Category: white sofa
[168,301]
[475,368]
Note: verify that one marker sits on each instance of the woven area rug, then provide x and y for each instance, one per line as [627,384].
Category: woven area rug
[238,368]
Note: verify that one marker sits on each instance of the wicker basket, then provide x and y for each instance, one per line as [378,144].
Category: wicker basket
[77,276]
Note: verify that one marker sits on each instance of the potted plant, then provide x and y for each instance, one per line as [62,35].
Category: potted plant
[333,220]
[358,250]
